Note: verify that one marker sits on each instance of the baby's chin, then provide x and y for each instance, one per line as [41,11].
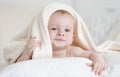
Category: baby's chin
[60,46]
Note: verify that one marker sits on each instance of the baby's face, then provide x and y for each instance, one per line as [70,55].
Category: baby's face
[61,28]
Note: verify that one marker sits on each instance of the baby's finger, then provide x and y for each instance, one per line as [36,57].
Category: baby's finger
[98,70]
[35,47]
[30,47]
[95,66]
[36,44]
[33,41]
[102,69]
[36,41]
[30,42]
[89,64]
[33,38]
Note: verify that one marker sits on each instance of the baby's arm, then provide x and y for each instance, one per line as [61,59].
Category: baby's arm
[24,56]
[98,64]
[78,52]
[27,53]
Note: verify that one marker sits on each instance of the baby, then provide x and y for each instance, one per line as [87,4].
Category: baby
[61,27]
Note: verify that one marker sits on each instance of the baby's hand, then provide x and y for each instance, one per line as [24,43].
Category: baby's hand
[98,66]
[31,45]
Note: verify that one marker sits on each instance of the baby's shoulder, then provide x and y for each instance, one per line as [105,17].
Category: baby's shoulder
[76,51]
[75,48]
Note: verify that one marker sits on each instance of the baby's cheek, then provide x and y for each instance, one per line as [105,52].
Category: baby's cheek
[70,40]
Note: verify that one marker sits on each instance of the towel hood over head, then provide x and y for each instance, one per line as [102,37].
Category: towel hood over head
[82,40]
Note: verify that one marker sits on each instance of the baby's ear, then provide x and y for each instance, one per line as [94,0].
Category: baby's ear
[73,36]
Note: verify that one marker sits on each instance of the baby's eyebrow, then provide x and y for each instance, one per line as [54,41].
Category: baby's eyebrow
[67,26]
[51,25]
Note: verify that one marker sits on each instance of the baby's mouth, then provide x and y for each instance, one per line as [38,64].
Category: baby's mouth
[59,40]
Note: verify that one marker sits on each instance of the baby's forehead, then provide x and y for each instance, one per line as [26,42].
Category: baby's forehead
[64,26]
[63,12]
[60,13]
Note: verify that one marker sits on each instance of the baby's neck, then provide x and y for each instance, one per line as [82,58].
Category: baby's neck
[60,53]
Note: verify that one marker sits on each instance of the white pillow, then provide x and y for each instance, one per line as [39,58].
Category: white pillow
[53,67]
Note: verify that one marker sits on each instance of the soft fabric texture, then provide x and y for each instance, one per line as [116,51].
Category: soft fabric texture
[61,67]
[38,28]
[109,46]
[112,63]
[57,67]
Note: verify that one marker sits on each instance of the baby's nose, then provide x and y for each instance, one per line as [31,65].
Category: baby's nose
[60,34]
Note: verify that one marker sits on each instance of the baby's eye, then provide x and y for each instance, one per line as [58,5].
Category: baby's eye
[53,28]
[67,30]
